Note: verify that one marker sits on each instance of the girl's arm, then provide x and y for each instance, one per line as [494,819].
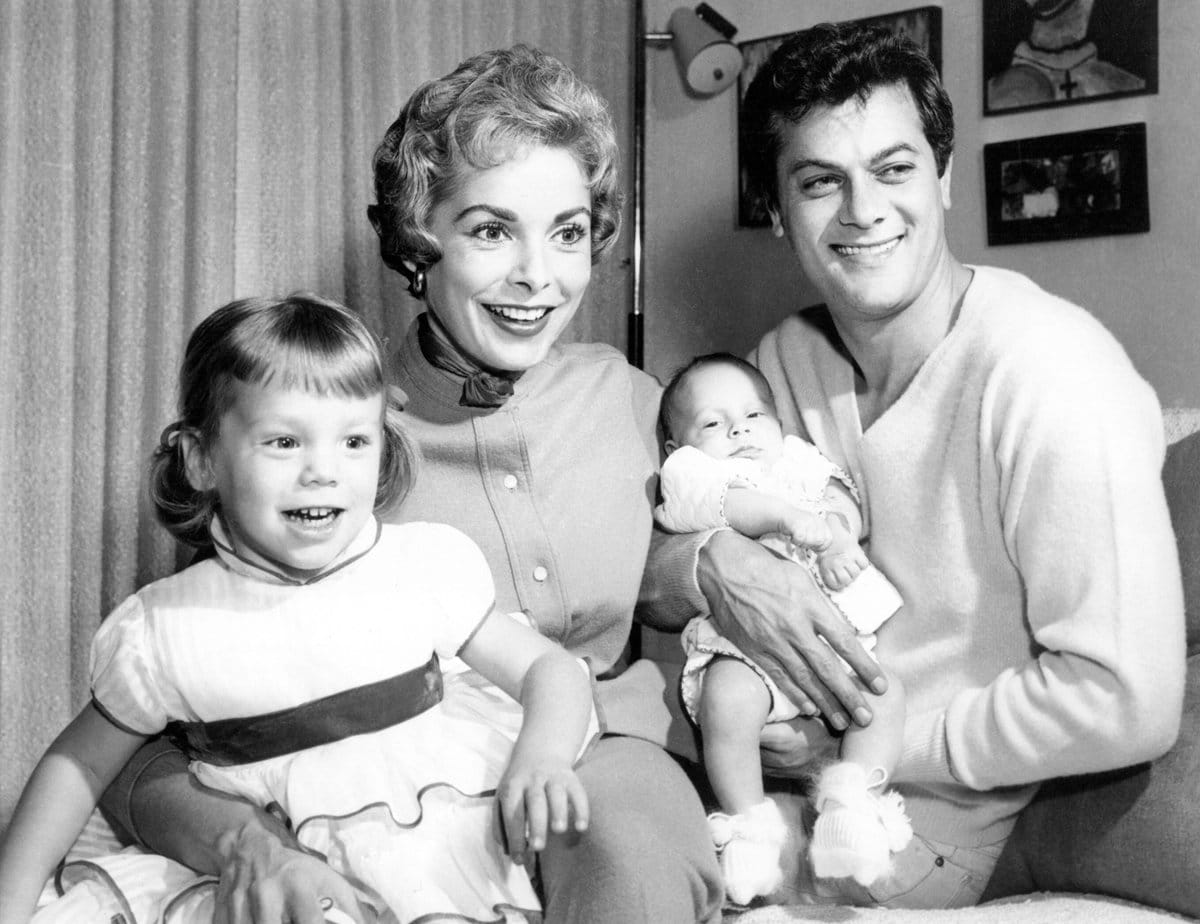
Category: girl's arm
[55,805]
[540,789]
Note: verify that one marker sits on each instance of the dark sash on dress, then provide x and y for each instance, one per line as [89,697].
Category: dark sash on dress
[363,709]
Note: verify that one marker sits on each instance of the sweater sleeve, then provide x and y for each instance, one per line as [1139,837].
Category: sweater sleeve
[1076,442]
[669,595]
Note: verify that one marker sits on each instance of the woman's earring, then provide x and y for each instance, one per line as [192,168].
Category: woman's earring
[416,284]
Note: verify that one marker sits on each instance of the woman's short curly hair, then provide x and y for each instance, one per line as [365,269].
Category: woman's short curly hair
[480,115]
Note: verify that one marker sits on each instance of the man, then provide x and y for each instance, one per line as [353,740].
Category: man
[1008,457]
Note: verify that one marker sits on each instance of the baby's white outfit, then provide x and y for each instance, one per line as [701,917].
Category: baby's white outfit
[693,487]
[325,698]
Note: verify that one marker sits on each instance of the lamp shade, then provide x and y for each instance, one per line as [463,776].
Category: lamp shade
[709,62]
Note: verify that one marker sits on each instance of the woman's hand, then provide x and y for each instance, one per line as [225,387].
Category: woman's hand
[536,797]
[772,609]
[265,881]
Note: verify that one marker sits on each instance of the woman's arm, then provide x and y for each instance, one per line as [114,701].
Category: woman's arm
[265,877]
[55,805]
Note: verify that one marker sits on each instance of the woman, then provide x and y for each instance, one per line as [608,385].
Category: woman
[497,191]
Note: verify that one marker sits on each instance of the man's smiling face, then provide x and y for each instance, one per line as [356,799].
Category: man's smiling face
[861,203]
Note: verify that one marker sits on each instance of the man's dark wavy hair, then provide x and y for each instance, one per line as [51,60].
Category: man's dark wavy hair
[826,66]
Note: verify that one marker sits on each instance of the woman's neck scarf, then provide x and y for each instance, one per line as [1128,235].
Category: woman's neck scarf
[481,387]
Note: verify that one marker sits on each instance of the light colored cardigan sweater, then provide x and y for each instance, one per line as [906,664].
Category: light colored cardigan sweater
[1013,495]
[556,486]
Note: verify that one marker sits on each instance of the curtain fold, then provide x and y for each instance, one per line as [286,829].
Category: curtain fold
[157,159]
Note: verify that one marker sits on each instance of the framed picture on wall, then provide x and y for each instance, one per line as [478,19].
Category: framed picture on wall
[1079,184]
[923,25]
[1040,53]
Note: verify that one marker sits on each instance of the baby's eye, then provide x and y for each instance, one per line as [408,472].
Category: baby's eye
[357,442]
[755,414]
[284,442]
[710,424]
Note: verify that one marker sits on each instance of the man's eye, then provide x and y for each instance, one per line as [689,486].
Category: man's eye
[820,185]
[896,173]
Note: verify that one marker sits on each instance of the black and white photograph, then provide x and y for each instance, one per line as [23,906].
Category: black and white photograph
[424,500]
[1080,184]
[1043,53]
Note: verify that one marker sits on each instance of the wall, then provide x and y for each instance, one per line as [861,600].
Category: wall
[711,285]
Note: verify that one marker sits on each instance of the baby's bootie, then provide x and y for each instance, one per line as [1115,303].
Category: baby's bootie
[749,846]
[857,830]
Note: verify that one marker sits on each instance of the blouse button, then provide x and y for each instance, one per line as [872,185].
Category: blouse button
[540,574]
[510,482]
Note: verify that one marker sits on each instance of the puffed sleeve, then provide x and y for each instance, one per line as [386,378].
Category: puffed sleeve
[809,471]
[693,487]
[125,681]
[463,589]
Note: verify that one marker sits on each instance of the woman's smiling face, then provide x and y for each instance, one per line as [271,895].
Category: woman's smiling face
[516,256]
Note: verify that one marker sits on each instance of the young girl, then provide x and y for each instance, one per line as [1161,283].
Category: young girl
[729,464]
[301,660]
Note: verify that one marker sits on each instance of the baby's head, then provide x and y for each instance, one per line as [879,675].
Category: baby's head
[721,405]
[286,427]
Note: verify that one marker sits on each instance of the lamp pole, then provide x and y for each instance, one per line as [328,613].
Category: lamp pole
[642,38]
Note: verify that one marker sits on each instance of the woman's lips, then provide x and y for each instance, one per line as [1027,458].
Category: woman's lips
[519,313]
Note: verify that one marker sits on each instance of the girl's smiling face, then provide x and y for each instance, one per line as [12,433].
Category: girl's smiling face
[516,256]
[295,472]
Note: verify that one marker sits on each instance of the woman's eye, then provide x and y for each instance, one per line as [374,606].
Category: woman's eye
[493,232]
[572,234]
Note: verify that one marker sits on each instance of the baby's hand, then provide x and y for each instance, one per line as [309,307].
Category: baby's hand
[839,568]
[535,798]
[808,531]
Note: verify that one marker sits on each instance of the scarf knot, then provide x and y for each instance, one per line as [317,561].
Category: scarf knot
[481,387]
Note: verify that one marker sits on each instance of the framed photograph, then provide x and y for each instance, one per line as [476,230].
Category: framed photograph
[1041,53]
[1080,184]
[923,25]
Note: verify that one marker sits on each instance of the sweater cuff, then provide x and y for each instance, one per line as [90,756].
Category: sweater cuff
[926,757]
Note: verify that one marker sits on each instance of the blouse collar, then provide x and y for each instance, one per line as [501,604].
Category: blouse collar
[249,563]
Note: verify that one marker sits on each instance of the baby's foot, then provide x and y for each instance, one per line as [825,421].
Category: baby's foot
[749,845]
[838,568]
[857,830]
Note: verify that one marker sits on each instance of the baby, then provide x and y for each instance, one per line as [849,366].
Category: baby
[730,465]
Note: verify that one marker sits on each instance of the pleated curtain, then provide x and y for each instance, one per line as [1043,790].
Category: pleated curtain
[157,159]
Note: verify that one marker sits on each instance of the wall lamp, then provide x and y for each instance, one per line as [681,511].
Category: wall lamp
[709,63]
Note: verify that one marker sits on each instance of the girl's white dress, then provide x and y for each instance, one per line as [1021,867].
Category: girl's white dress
[401,798]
